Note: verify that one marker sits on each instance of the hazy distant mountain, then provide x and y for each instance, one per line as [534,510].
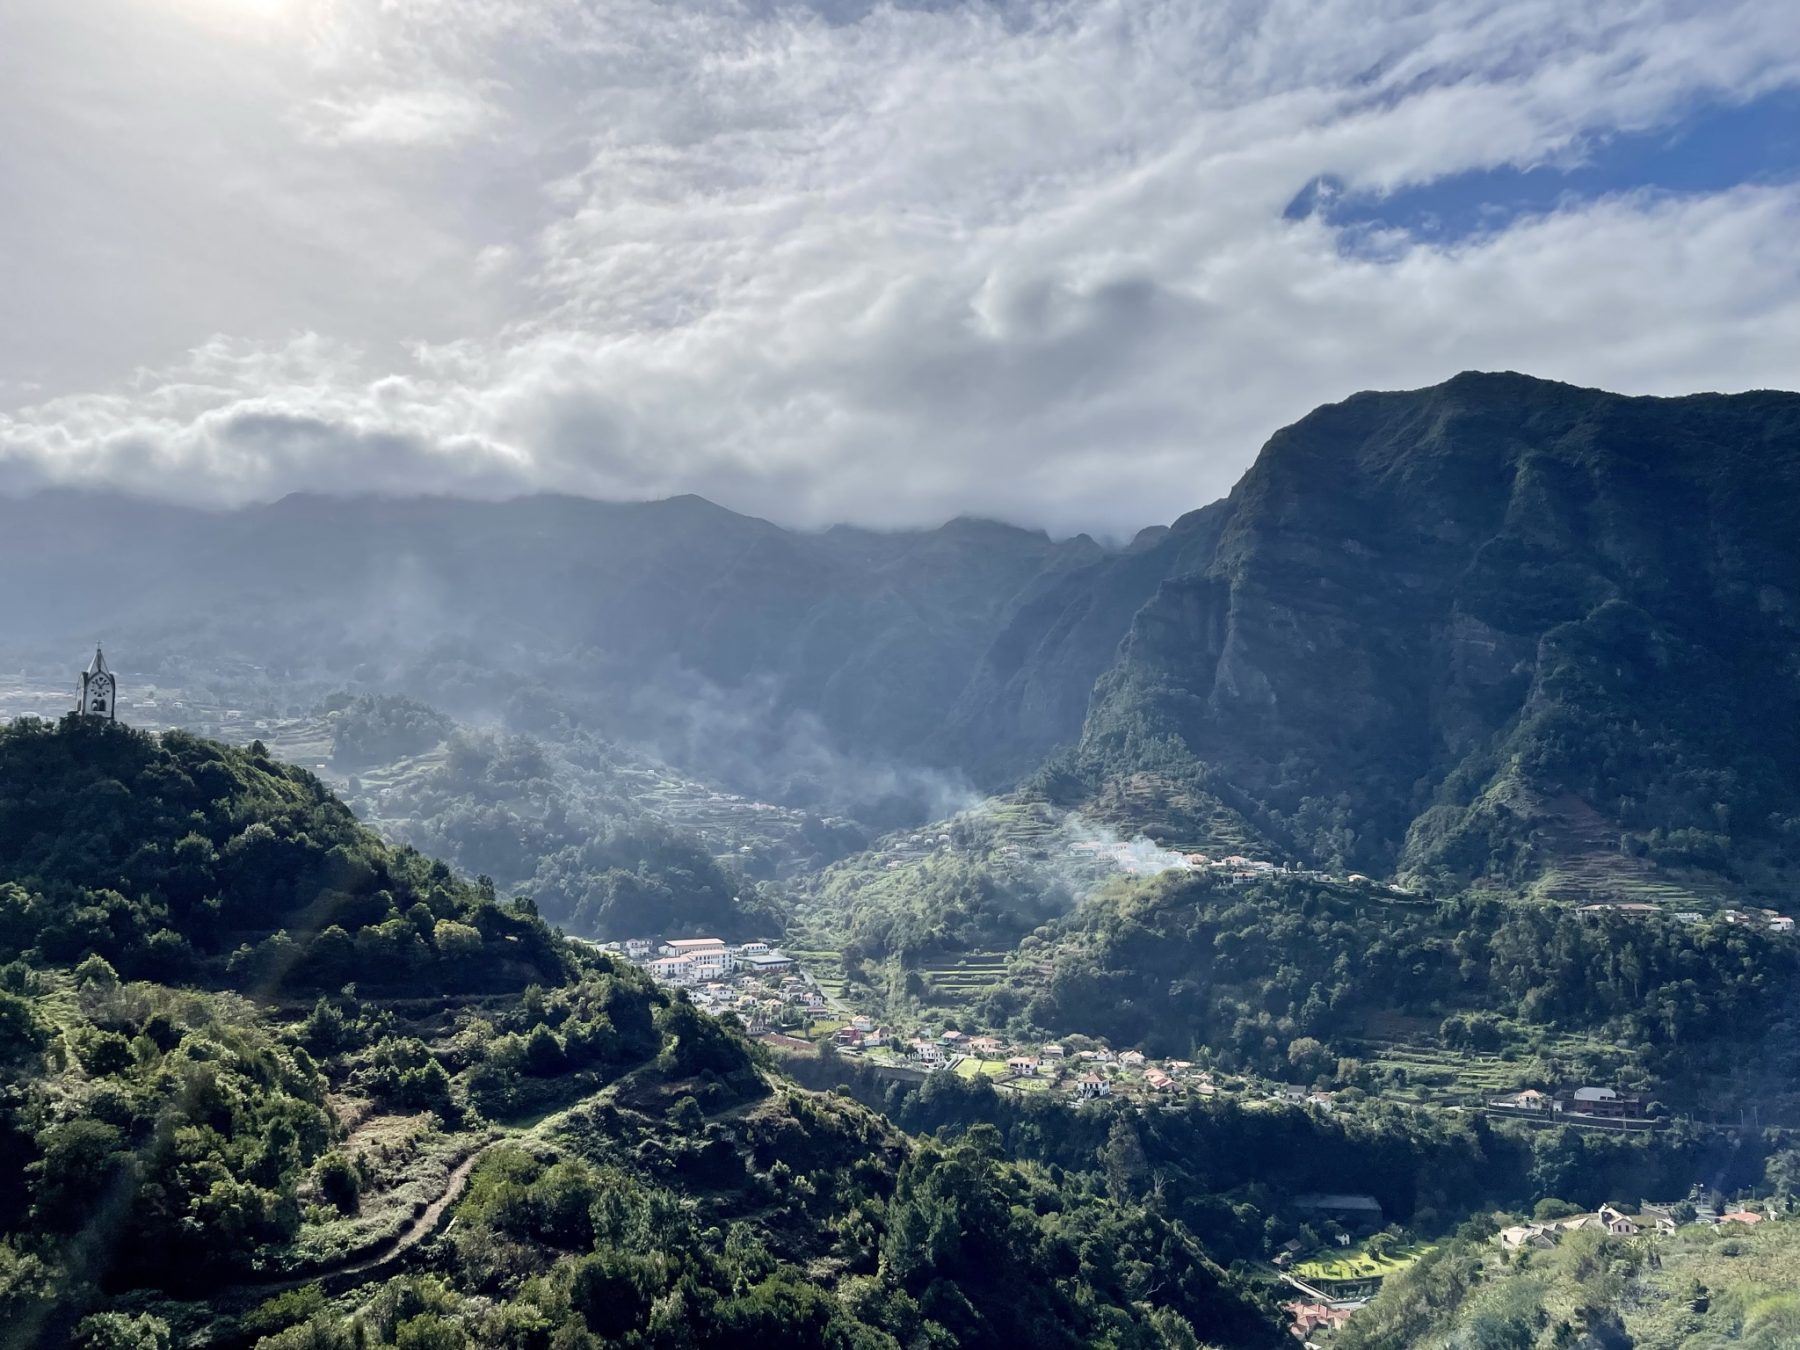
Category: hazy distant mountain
[716,636]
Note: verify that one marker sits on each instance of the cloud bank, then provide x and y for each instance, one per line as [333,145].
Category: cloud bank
[836,261]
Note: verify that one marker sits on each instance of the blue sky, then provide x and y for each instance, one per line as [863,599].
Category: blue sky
[1709,148]
[1062,262]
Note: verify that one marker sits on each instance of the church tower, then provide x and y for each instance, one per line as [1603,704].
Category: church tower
[99,691]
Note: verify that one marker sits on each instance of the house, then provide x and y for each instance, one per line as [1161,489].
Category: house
[863,1023]
[1322,1100]
[847,1036]
[1053,1051]
[1528,1100]
[754,949]
[1311,1317]
[1180,1066]
[1023,1064]
[987,1046]
[1781,924]
[1579,1223]
[928,1052]
[1656,1218]
[953,1039]
[1535,1236]
[1604,1102]
[1746,1217]
[637,948]
[675,969]
[1091,1086]
[1132,1059]
[1158,1080]
[1617,1223]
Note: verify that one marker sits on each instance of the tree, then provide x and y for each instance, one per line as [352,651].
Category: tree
[339,1182]
[1126,1166]
[122,1331]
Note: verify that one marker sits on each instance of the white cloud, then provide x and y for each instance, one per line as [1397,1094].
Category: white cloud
[888,264]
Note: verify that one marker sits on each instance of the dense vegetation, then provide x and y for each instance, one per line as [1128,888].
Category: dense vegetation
[376,728]
[1232,1169]
[1703,1289]
[176,858]
[1185,964]
[178,1161]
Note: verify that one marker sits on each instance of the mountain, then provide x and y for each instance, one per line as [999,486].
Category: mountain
[777,659]
[1501,629]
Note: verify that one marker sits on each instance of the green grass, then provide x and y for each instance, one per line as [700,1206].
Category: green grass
[980,1068]
[1357,1263]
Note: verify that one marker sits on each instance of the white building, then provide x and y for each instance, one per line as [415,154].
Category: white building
[692,946]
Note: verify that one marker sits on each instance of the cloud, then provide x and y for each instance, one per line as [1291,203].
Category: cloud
[399,117]
[892,263]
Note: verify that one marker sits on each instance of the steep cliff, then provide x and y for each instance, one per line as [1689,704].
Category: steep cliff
[1499,628]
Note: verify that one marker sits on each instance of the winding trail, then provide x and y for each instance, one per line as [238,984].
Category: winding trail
[387,1253]
[391,1252]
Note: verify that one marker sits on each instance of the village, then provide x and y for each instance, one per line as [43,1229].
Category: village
[779,1002]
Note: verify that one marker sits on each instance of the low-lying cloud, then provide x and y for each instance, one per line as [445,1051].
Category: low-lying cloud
[875,263]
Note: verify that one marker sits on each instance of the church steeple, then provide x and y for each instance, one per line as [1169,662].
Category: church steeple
[99,691]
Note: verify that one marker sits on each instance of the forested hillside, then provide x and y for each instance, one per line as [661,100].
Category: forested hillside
[180,859]
[190,1154]
[1284,977]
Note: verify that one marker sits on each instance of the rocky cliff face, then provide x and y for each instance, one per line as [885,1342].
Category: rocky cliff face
[1488,629]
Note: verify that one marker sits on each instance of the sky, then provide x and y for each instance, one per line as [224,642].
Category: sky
[1063,264]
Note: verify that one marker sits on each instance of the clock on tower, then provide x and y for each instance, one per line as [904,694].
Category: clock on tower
[99,691]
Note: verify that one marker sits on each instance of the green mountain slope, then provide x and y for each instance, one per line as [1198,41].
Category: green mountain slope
[487,1137]
[178,858]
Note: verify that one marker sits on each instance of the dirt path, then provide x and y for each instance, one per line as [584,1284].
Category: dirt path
[390,1252]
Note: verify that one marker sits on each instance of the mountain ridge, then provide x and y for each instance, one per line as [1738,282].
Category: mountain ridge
[1345,659]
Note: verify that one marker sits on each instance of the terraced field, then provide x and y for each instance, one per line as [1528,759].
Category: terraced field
[1590,869]
[951,982]
[1439,1076]
[826,967]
